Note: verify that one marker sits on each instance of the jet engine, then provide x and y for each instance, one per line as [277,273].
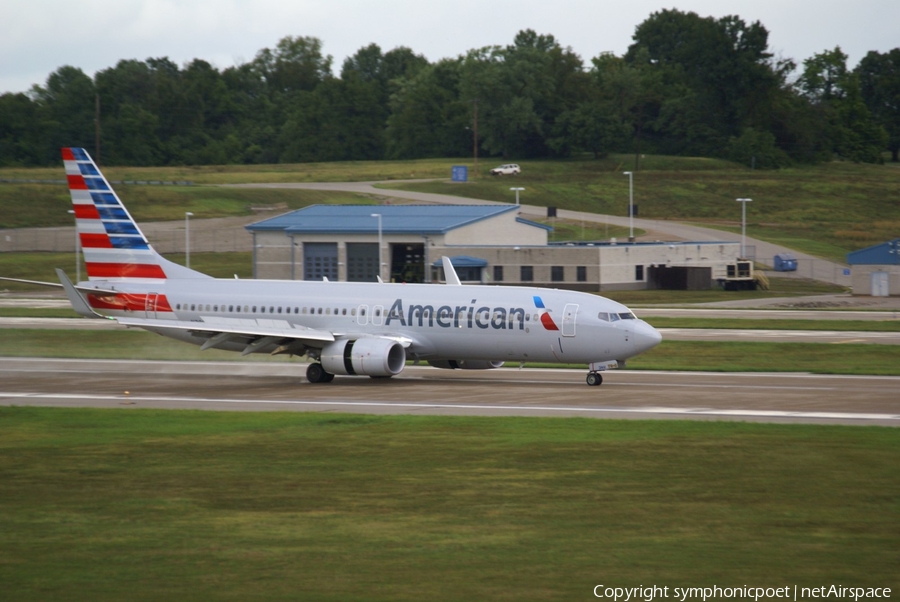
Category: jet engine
[465,364]
[369,356]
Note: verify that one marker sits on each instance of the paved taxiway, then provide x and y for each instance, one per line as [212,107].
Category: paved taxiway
[671,334]
[860,400]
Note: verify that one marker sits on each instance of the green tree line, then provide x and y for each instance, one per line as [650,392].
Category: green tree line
[688,85]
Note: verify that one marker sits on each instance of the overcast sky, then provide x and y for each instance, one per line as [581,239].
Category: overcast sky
[39,36]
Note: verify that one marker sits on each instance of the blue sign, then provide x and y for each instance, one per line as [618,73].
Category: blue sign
[460,173]
[846,272]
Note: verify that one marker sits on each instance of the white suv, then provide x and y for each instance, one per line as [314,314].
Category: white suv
[510,169]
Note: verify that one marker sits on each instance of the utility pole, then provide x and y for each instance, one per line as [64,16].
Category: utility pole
[743,203]
[630,204]
[475,136]
[97,128]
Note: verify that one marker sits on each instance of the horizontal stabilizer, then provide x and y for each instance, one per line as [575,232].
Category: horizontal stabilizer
[81,289]
[79,304]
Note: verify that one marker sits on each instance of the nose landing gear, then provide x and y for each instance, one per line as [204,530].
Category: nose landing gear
[594,379]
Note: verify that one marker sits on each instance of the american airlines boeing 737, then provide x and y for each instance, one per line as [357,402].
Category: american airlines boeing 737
[346,328]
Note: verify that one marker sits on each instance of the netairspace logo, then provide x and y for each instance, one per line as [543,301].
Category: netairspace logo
[683,594]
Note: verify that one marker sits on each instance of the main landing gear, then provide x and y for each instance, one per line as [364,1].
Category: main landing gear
[315,373]
[594,379]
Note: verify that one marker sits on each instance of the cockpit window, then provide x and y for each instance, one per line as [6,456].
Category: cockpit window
[627,315]
[603,315]
[613,317]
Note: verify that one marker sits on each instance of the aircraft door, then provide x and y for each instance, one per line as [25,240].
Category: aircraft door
[362,315]
[150,305]
[568,321]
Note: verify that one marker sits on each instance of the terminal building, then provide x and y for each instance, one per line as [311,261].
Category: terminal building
[488,244]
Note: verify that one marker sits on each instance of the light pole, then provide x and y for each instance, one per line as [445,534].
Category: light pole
[475,135]
[743,203]
[187,238]
[380,258]
[77,251]
[630,204]
[517,193]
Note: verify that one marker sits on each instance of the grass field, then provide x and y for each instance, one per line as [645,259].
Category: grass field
[778,287]
[150,505]
[41,266]
[826,210]
[669,355]
[890,324]
[46,205]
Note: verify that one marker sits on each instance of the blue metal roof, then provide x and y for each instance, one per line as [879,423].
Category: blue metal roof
[887,253]
[463,261]
[395,219]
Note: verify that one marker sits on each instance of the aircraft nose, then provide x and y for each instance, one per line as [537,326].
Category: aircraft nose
[645,336]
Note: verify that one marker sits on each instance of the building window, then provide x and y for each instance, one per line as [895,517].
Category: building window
[526,273]
[498,273]
[581,273]
[638,272]
[557,273]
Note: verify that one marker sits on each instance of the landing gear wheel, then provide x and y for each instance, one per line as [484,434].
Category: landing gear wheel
[315,373]
[594,379]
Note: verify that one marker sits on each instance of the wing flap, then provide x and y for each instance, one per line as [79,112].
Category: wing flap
[215,326]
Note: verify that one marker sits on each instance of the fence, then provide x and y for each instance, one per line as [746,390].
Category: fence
[166,237]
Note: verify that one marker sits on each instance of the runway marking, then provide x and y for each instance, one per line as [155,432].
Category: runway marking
[485,407]
[475,380]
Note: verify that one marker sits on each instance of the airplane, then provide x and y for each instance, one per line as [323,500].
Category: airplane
[345,328]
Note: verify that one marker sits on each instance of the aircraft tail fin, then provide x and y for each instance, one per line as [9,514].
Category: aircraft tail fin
[114,247]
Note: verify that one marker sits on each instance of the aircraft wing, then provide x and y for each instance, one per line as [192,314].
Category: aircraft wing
[253,333]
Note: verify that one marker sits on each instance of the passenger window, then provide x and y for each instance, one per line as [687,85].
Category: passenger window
[344,312]
[320,311]
[271,310]
[192,307]
[328,311]
[178,306]
[238,309]
[296,310]
[353,312]
[231,308]
[279,310]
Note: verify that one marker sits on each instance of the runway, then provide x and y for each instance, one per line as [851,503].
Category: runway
[250,386]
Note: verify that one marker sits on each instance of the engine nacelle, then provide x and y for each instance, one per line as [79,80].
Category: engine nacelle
[369,356]
[465,364]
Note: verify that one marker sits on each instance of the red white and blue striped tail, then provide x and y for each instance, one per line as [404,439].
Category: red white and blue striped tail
[114,247]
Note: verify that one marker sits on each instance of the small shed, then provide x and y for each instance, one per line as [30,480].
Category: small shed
[785,262]
[876,270]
